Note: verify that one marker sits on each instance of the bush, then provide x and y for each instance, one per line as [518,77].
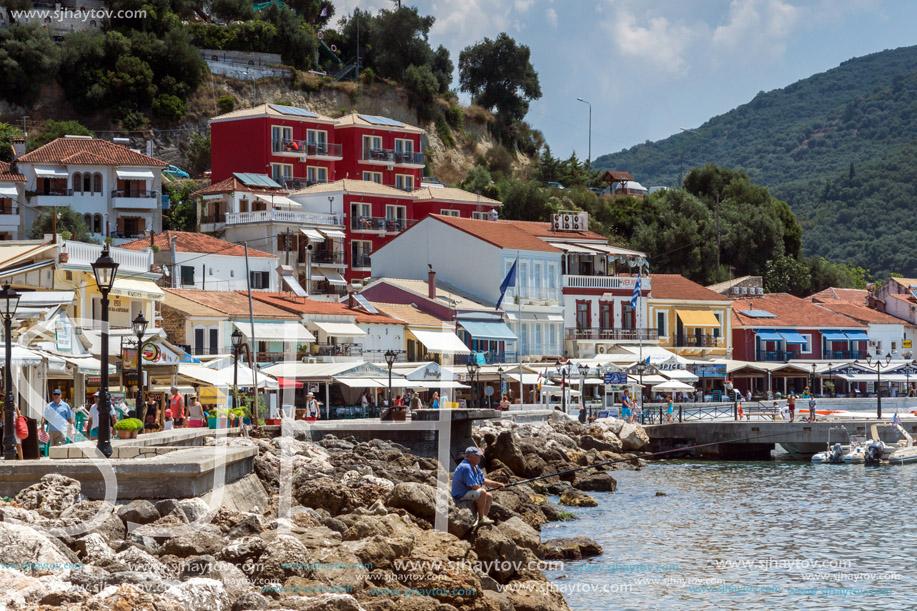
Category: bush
[455,117]
[444,133]
[52,130]
[134,121]
[129,424]
[169,108]
[226,103]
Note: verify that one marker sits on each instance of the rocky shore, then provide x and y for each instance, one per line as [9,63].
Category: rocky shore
[359,535]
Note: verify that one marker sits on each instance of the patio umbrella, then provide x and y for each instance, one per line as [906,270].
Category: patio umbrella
[673,386]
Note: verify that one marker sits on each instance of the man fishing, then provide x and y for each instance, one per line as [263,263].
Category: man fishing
[468,483]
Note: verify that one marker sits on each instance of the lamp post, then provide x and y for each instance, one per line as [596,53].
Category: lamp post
[139,324]
[583,370]
[236,339]
[812,387]
[831,373]
[641,367]
[877,365]
[105,269]
[500,373]
[472,370]
[589,158]
[563,370]
[9,301]
[390,357]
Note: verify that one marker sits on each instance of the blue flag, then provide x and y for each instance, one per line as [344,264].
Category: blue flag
[509,281]
[633,299]
[896,419]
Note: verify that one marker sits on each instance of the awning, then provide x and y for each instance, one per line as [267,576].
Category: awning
[487,330]
[648,379]
[31,267]
[698,318]
[23,357]
[315,275]
[768,335]
[313,235]
[137,288]
[279,201]
[333,233]
[440,341]
[401,383]
[340,329]
[857,336]
[51,172]
[433,384]
[572,248]
[8,192]
[834,336]
[134,174]
[88,365]
[682,375]
[276,331]
[792,337]
[361,382]
[202,374]
[529,379]
[333,277]
[286,383]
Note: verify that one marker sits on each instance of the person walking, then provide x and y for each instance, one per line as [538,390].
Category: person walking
[92,422]
[167,423]
[670,409]
[195,413]
[416,403]
[59,416]
[791,406]
[177,406]
[20,430]
[151,421]
[625,406]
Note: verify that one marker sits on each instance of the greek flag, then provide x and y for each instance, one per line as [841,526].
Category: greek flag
[896,419]
[633,299]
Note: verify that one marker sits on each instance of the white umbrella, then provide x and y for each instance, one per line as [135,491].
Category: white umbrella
[673,386]
[246,377]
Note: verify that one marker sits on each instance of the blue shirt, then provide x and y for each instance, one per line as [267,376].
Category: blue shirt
[466,475]
[62,410]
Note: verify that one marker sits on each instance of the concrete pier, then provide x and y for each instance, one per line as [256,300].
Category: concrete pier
[755,440]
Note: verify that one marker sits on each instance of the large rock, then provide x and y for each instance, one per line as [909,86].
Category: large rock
[521,534]
[84,513]
[323,602]
[610,424]
[25,547]
[51,495]
[420,500]
[576,498]
[92,548]
[284,557]
[500,557]
[588,442]
[199,593]
[633,437]
[595,482]
[138,512]
[194,509]
[507,452]
[323,493]
[574,548]
[536,596]
[19,588]
[196,543]
[249,602]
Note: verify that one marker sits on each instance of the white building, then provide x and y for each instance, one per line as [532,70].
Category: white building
[199,261]
[12,195]
[888,335]
[116,190]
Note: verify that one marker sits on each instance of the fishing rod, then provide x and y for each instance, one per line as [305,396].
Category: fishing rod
[649,455]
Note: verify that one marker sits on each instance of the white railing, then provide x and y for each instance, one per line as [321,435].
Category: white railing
[282,216]
[533,293]
[129,260]
[604,282]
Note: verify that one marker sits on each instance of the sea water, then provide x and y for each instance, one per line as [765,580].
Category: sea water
[750,535]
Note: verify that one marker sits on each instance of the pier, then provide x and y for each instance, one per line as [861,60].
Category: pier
[754,440]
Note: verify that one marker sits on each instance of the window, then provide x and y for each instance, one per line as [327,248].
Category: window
[97,224]
[628,317]
[187,275]
[449,212]
[536,271]
[807,347]
[6,205]
[481,216]
[395,218]
[894,346]
[130,227]
[317,141]
[77,182]
[552,348]
[372,147]
[522,278]
[405,182]
[281,172]
[260,280]
[405,147]
[606,315]
[87,183]
[199,340]
[316,174]
[214,344]
[661,327]
[539,348]
[360,251]
[287,242]
[280,137]
[373,177]
[582,315]
[552,277]
[719,319]
[97,183]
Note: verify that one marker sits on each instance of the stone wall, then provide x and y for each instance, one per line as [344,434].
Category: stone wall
[173,322]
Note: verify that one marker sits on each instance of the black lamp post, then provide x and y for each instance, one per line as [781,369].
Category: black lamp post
[500,372]
[833,383]
[583,370]
[9,301]
[139,324]
[472,370]
[105,269]
[236,339]
[812,387]
[562,369]
[877,365]
[390,357]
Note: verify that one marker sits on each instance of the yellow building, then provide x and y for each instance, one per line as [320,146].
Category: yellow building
[692,320]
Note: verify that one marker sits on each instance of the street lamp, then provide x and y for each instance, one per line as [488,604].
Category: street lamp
[641,367]
[589,158]
[139,325]
[563,370]
[9,301]
[812,387]
[877,365]
[500,373]
[390,357]
[583,370]
[105,269]
[472,371]
[236,339]
[833,383]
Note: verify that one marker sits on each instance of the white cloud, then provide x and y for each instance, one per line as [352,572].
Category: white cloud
[551,16]
[523,5]
[654,41]
[757,27]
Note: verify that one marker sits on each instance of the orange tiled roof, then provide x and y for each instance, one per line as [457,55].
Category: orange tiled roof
[233,184]
[233,303]
[7,174]
[675,286]
[186,241]
[501,235]
[857,296]
[302,305]
[861,313]
[543,230]
[88,151]
[789,311]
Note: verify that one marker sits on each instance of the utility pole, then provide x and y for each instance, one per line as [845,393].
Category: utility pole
[589,157]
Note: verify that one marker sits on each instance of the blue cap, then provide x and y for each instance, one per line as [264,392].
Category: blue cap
[473,450]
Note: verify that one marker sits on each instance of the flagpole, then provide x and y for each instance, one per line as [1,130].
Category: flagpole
[519,341]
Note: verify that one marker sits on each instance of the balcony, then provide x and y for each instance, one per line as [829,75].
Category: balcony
[53,197]
[379,224]
[310,150]
[326,258]
[845,354]
[212,219]
[294,184]
[776,355]
[529,294]
[84,255]
[491,357]
[289,217]
[699,341]
[604,282]
[360,262]
[147,200]
[393,157]
[599,335]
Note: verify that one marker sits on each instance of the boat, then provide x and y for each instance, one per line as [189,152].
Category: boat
[879,452]
[857,453]
[833,454]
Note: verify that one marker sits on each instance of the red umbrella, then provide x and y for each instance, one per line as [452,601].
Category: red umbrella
[288,383]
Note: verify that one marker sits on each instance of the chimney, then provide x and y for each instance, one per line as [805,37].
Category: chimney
[152,238]
[351,302]
[431,282]
[18,147]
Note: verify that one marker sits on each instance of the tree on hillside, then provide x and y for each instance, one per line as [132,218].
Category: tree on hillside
[182,215]
[67,220]
[400,40]
[52,130]
[7,133]
[787,275]
[442,68]
[27,57]
[499,76]
[525,201]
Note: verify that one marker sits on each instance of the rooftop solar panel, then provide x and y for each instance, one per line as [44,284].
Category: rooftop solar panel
[292,110]
[256,180]
[381,121]
[366,305]
[757,314]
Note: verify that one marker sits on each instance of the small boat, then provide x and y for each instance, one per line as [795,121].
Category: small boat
[857,453]
[833,454]
[878,452]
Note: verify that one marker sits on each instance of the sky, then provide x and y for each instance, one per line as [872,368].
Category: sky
[652,67]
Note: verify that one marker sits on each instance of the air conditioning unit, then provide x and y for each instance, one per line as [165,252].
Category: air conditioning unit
[601,348]
[389,167]
[872,343]
[760,290]
[745,290]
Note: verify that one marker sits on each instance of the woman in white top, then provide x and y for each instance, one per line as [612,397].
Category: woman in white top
[195,413]
[312,407]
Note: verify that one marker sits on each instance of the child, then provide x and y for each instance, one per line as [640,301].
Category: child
[167,422]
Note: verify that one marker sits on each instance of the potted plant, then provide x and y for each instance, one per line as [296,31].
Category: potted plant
[217,418]
[236,415]
[128,428]
[399,414]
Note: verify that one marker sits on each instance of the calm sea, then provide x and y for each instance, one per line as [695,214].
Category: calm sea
[751,535]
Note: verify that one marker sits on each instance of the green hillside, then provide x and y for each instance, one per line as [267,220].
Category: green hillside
[801,138]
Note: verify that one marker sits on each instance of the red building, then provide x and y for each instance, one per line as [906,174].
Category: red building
[380,150]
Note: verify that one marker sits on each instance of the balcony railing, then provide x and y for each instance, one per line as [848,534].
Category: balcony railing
[281,216]
[360,261]
[304,147]
[698,341]
[776,355]
[332,258]
[9,210]
[612,334]
[532,293]
[491,357]
[134,194]
[374,223]
[845,354]
[292,184]
[604,282]
[55,193]
[394,157]
[213,218]
[336,349]
[129,260]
